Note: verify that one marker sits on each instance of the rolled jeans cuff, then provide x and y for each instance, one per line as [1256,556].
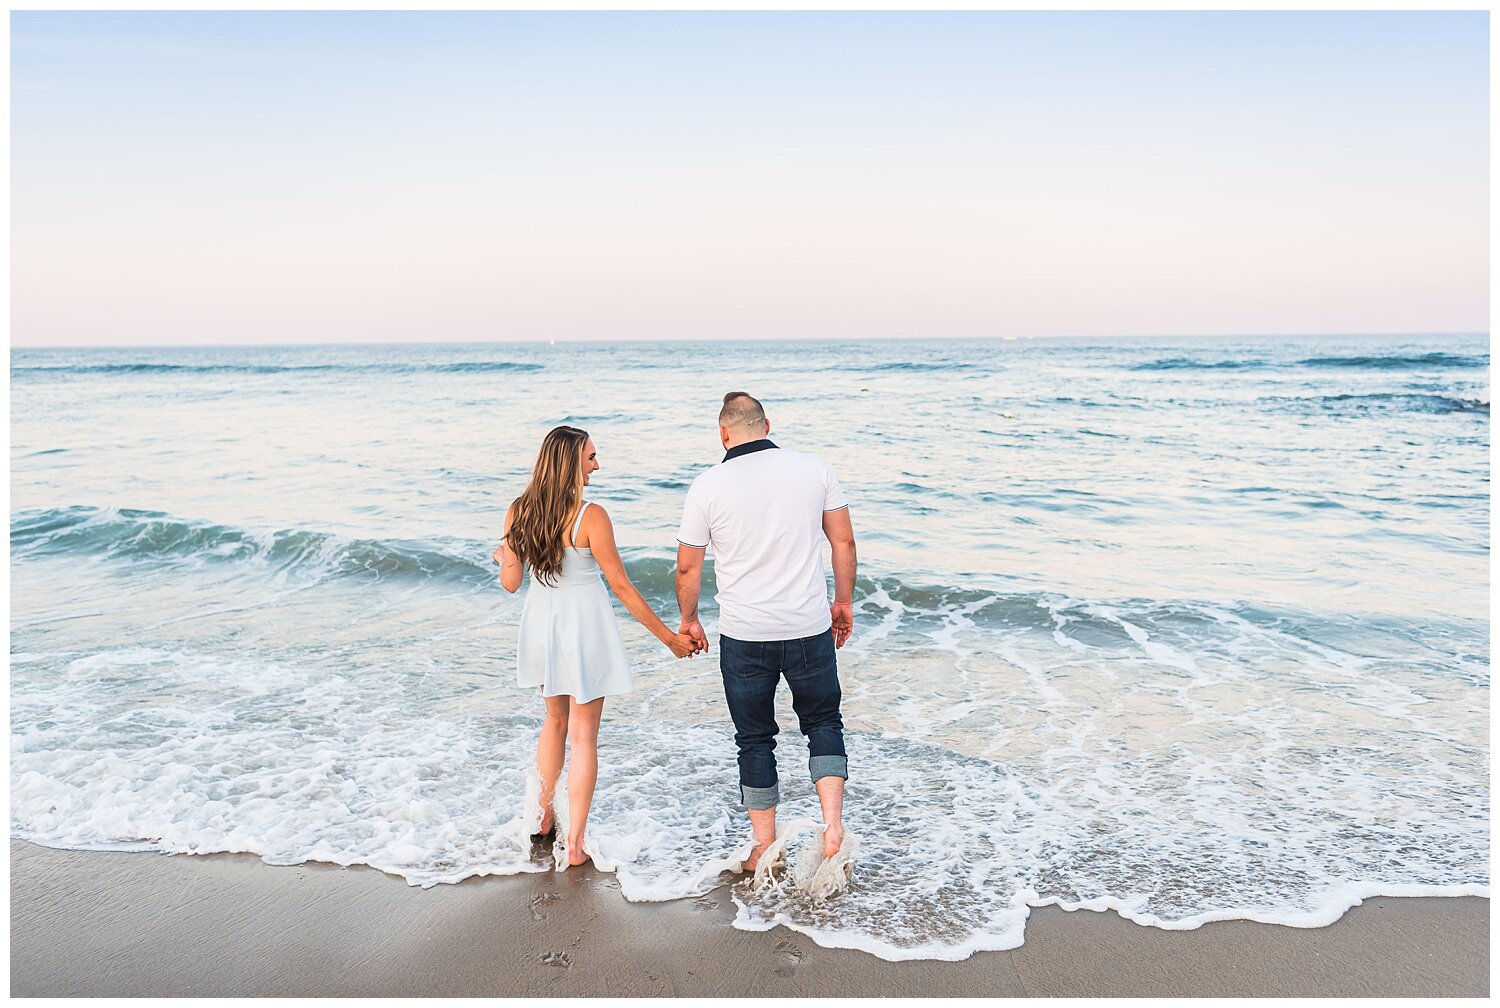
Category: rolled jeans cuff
[760,797]
[828,766]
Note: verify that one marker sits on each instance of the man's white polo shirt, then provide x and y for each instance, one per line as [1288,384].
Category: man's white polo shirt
[761,511]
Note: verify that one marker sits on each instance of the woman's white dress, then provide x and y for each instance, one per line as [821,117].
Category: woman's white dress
[570,644]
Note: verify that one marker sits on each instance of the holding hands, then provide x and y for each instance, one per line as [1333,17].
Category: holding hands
[691,636]
[683,646]
[694,630]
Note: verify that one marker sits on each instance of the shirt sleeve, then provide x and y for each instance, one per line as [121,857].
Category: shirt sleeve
[694,528]
[833,494]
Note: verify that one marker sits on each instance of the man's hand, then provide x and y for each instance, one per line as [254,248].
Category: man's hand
[682,645]
[843,621]
[839,529]
[689,580]
[694,629]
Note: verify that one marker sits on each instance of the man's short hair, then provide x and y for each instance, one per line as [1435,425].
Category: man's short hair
[740,409]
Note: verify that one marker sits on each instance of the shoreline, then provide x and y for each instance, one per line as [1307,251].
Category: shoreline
[149,924]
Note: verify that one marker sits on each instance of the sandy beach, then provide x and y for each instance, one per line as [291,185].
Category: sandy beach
[127,924]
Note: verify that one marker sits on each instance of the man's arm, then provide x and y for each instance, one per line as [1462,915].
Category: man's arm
[689,584]
[840,532]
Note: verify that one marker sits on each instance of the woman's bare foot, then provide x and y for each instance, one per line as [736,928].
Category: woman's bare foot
[833,839]
[546,827]
[576,854]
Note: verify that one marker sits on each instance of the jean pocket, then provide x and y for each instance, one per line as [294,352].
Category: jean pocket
[820,651]
[740,658]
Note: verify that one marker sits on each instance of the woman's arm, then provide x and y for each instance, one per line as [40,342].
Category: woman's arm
[601,540]
[510,564]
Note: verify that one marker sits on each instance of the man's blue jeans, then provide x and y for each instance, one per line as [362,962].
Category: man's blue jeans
[752,670]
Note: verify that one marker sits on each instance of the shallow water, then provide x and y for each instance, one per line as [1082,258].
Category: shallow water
[1190,629]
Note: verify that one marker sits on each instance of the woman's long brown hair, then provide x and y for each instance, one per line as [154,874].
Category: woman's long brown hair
[539,524]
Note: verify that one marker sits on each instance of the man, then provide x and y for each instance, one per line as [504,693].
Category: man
[765,511]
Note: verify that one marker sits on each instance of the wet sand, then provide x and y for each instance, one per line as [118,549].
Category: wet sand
[115,924]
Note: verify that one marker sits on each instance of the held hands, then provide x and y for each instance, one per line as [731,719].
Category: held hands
[682,645]
[689,639]
[694,629]
[843,621]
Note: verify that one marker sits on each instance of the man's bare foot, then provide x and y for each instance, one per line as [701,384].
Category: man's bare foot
[833,839]
[754,859]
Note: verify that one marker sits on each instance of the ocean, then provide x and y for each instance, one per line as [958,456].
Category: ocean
[1190,629]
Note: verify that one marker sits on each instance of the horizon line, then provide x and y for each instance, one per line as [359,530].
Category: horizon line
[753,339]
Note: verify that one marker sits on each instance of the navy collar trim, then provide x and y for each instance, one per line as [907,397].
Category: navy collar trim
[747,448]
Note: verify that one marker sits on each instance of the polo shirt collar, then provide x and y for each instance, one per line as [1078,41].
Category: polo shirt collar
[747,448]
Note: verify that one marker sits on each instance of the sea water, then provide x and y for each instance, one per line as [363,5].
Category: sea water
[1188,629]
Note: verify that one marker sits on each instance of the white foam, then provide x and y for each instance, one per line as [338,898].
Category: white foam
[1202,767]
[822,876]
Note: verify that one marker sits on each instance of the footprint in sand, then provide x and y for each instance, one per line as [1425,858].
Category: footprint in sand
[539,902]
[790,958]
[705,903]
[559,959]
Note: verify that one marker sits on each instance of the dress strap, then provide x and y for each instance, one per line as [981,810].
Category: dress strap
[578,523]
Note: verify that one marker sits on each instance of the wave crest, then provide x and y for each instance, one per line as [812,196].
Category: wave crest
[1397,361]
[1191,363]
[83,370]
[152,536]
[1409,402]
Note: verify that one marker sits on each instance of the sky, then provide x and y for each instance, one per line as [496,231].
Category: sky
[291,177]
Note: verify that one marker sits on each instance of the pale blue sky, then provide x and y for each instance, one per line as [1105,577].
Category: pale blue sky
[284,177]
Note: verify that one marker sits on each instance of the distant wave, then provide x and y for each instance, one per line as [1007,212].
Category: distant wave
[138,535]
[1427,360]
[112,369]
[1180,363]
[462,367]
[582,418]
[133,535]
[154,539]
[909,366]
[467,367]
[1386,362]
[1396,401]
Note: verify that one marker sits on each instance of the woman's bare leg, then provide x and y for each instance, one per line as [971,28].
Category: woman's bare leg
[549,755]
[583,771]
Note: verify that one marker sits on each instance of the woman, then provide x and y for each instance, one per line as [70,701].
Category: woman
[570,645]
